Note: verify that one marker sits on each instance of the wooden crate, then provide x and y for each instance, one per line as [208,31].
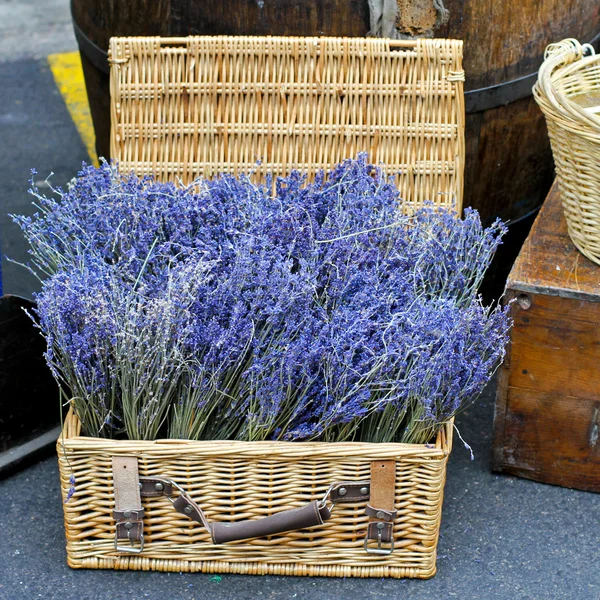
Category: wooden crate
[547,417]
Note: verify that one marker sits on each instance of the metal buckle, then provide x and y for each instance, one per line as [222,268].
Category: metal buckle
[177,487]
[130,549]
[323,501]
[379,550]
[138,515]
[132,515]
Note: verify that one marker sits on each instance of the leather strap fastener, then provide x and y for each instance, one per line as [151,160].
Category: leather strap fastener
[128,511]
[350,491]
[380,514]
[154,487]
[381,510]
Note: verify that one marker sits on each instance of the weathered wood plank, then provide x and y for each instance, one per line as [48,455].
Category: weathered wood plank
[556,347]
[549,263]
[552,438]
[547,419]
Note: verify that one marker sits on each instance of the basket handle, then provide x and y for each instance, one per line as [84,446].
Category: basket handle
[557,57]
[310,515]
[379,491]
[567,51]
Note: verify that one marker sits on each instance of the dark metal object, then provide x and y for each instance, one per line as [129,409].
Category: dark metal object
[95,54]
[29,400]
[20,456]
[504,93]
[524,301]
[495,280]
[478,100]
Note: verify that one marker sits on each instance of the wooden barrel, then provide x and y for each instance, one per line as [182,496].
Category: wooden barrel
[508,158]
[96,21]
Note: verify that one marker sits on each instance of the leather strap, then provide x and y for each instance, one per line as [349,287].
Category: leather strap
[128,512]
[307,516]
[186,506]
[381,508]
[153,487]
[350,491]
[129,488]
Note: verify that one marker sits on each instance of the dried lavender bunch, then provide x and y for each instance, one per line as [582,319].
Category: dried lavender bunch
[120,218]
[76,317]
[221,311]
[117,354]
[377,275]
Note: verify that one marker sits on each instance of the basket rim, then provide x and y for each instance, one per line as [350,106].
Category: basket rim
[70,439]
[179,41]
[559,105]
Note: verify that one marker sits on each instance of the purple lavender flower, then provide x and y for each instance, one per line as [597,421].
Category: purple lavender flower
[224,311]
[71,489]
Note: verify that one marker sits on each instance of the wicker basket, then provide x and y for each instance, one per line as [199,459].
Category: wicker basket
[200,106]
[239,480]
[186,107]
[568,92]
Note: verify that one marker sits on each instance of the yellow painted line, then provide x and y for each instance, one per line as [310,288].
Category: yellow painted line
[68,75]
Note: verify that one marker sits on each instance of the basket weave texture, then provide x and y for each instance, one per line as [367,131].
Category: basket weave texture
[185,107]
[568,92]
[235,481]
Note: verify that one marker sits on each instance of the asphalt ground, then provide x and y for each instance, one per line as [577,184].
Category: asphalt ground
[501,537]
[36,131]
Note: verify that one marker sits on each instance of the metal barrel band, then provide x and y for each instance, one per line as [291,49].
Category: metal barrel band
[501,94]
[477,100]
